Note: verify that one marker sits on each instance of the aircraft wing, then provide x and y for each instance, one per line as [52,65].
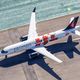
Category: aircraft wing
[44,52]
[77,32]
[32,28]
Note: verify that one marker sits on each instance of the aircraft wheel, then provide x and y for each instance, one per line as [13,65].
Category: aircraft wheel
[6,56]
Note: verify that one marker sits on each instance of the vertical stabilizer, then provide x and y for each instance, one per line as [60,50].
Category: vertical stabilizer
[72,23]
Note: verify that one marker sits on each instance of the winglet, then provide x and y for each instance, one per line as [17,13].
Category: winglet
[34,9]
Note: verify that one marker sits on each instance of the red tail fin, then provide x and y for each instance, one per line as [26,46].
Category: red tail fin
[72,23]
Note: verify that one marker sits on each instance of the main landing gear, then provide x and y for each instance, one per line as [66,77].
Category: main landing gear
[33,55]
[6,56]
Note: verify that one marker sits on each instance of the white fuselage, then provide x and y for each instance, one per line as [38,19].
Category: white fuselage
[38,41]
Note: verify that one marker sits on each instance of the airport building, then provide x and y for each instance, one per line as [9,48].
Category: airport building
[14,13]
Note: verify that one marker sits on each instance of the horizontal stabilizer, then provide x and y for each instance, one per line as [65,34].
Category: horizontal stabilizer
[76,39]
[77,32]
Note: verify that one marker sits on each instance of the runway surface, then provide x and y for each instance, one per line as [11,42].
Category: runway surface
[19,67]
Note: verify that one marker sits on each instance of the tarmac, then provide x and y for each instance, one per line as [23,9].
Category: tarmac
[18,66]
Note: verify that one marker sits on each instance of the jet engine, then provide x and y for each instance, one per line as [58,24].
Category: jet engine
[33,55]
[23,38]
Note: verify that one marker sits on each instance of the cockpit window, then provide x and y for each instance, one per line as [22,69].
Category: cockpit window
[3,51]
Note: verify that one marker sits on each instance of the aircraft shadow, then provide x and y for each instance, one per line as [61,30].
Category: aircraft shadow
[67,47]
[12,61]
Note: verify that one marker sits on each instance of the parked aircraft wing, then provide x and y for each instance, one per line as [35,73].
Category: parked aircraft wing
[32,28]
[44,52]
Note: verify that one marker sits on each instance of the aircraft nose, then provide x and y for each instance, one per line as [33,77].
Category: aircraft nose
[1,53]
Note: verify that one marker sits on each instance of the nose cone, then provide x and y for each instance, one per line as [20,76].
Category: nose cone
[0,53]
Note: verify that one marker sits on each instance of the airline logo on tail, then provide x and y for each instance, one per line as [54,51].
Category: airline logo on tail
[72,23]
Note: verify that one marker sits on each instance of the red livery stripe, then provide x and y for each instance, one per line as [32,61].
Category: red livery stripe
[45,39]
[38,41]
[53,37]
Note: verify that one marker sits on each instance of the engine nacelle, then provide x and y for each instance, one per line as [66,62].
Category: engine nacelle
[23,38]
[33,55]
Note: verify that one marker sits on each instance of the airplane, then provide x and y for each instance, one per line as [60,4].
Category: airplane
[36,43]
